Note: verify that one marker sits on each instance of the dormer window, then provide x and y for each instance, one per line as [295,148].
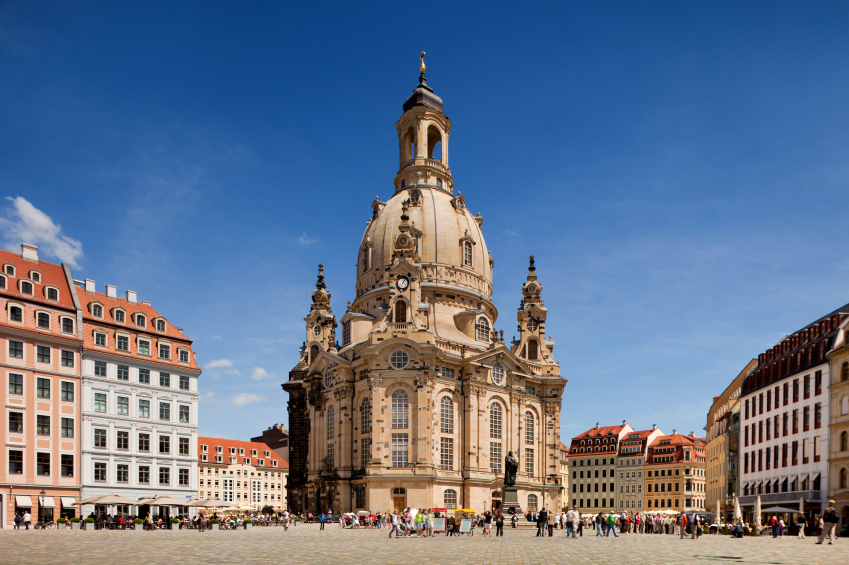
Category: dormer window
[43,320]
[35,276]
[16,314]
[67,325]
[204,448]
[253,452]
[160,325]
[9,270]
[140,321]
[414,197]
[241,451]
[119,316]
[164,351]
[247,460]
[52,293]
[467,253]
[184,356]
[219,449]
[97,311]
[100,339]
[26,287]
[3,283]
[438,183]
[482,329]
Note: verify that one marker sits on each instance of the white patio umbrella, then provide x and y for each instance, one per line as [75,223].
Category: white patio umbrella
[91,500]
[758,510]
[738,516]
[802,505]
[718,515]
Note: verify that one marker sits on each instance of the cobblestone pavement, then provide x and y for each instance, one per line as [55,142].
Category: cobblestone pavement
[306,544]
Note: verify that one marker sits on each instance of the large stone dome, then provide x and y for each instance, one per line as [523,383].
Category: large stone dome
[442,225]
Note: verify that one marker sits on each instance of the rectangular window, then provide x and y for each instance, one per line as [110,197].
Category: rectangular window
[16,422]
[123,441]
[331,453]
[67,392]
[164,351]
[67,358]
[67,429]
[529,461]
[100,472]
[16,462]
[184,382]
[67,467]
[144,376]
[16,384]
[100,339]
[123,405]
[100,368]
[123,474]
[123,373]
[184,446]
[144,347]
[447,373]
[184,356]
[42,388]
[817,415]
[42,464]
[365,446]
[144,475]
[807,386]
[100,438]
[122,343]
[495,457]
[16,349]
[165,411]
[184,477]
[184,414]
[806,418]
[67,325]
[99,402]
[42,425]
[43,354]
[144,442]
[400,443]
[164,444]
[164,379]
[818,382]
[446,454]
[43,321]
[144,408]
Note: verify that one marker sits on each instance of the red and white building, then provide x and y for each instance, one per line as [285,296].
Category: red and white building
[633,449]
[592,464]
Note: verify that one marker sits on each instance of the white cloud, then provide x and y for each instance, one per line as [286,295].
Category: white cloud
[27,224]
[260,373]
[219,364]
[304,239]
[207,397]
[247,398]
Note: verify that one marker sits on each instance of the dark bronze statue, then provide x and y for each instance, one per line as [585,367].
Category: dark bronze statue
[511,466]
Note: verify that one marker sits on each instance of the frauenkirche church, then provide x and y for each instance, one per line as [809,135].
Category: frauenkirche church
[422,400]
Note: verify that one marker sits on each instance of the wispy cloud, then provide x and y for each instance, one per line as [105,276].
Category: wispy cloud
[260,373]
[26,223]
[247,398]
[511,233]
[219,364]
[221,367]
[207,397]
[304,239]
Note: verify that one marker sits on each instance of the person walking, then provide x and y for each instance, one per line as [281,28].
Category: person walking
[394,521]
[499,524]
[322,519]
[572,517]
[694,525]
[599,525]
[17,520]
[27,518]
[829,522]
[611,525]
[800,523]
[541,519]
[681,520]
[774,525]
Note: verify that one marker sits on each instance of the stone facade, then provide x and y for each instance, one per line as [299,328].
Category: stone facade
[838,459]
[675,473]
[422,400]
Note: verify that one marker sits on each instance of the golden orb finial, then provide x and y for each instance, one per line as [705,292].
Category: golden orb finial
[423,65]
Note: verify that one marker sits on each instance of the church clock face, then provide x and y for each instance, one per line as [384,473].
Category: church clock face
[403,283]
[532,324]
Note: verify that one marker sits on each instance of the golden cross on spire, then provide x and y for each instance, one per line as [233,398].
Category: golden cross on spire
[423,65]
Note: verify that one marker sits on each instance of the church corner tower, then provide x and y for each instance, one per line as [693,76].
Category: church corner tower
[420,401]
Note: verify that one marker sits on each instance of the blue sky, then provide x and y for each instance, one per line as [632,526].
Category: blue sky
[678,169]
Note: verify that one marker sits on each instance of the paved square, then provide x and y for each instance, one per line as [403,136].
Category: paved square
[335,546]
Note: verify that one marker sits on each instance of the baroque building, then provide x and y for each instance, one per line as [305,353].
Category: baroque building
[422,400]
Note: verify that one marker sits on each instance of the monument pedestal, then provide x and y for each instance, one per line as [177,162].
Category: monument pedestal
[510,504]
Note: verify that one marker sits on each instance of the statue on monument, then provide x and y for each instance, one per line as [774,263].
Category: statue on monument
[511,466]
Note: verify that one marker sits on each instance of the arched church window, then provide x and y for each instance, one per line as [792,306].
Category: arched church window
[449,499]
[346,333]
[330,427]
[482,329]
[495,420]
[313,353]
[529,428]
[434,143]
[532,502]
[533,350]
[497,374]
[400,312]
[467,253]
[844,441]
[438,183]
[400,410]
[365,416]
[446,411]
[842,478]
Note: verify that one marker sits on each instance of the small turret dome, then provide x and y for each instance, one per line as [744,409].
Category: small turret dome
[423,95]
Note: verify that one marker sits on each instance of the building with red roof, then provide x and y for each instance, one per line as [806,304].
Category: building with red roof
[633,449]
[592,458]
[675,473]
[245,473]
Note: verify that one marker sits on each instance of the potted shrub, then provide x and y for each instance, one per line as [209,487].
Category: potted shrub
[138,524]
[175,523]
[75,523]
[61,523]
[213,524]
[89,521]
[249,524]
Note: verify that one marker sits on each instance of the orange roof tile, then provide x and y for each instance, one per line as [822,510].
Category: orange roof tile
[226,444]
[51,275]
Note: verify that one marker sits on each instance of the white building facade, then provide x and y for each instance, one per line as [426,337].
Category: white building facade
[139,402]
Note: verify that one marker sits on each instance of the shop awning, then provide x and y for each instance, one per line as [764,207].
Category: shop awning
[67,501]
[23,501]
[47,502]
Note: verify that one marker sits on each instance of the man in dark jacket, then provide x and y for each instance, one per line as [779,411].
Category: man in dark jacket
[542,518]
[830,520]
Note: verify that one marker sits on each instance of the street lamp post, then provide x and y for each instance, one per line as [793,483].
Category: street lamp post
[41,507]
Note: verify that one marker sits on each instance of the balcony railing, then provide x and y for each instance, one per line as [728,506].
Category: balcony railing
[427,162]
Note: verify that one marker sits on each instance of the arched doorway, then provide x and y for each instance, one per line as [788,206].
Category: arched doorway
[399,499]
[496,500]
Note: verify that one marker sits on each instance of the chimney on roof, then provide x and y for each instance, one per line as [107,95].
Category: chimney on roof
[29,252]
[654,427]
[111,291]
[131,296]
[693,434]
[89,286]
[597,425]
[624,422]
[674,432]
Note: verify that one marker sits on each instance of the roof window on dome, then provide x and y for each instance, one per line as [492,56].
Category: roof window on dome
[438,183]
[415,195]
